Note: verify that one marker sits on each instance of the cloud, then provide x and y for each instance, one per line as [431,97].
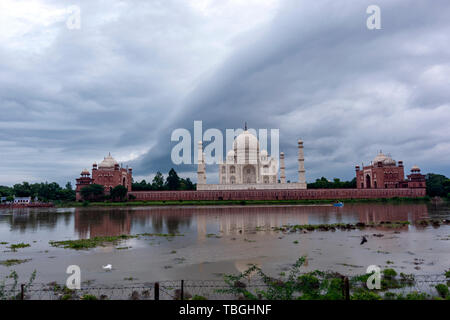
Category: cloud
[318,73]
[136,71]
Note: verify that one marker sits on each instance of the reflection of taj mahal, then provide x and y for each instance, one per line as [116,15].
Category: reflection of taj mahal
[248,167]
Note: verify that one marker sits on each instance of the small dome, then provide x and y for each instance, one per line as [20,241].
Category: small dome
[264,156]
[415,169]
[85,172]
[230,156]
[384,159]
[108,162]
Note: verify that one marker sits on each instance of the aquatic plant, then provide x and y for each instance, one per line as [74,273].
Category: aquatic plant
[389,273]
[16,246]
[12,262]
[339,226]
[89,243]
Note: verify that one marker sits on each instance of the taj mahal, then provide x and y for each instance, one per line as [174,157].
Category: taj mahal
[246,167]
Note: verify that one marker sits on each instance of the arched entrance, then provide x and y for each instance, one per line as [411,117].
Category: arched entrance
[124,182]
[249,174]
[368,184]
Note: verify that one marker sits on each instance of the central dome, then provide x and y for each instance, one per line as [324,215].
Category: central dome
[108,162]
[384,159]
[246,147]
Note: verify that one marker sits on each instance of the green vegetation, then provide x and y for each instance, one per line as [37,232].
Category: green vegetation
[88,297]
[13,262]
[438,185]
[43,191]
[318,285]
[129,279]
[93,192]
[173,182]
[323,183]
[16,246]
[340,226]
[89,243]
[118,193]
[239,202]
[197,297]
[443,291]
[101,241]
[11,292]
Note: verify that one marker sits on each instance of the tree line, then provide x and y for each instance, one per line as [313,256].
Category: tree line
[172,182]
[42,191]
[436,185]
[323,183]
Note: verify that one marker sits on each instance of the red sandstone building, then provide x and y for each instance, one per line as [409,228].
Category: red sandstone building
[108,173]
[385,173]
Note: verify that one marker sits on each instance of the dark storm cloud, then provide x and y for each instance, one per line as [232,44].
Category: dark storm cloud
[134,73]
[318,73]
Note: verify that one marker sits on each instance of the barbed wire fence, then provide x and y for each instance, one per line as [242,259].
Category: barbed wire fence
[194,290]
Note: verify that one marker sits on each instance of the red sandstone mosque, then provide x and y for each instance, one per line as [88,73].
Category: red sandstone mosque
[385,173]
[108,174]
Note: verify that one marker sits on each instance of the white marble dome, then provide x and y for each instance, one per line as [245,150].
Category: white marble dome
[246,147]
[384,159]
[108,162]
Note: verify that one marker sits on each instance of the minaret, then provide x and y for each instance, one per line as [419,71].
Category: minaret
[201,174]
[301,163]
[282,168]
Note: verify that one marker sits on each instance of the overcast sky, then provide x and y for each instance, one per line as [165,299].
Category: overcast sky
[137,70]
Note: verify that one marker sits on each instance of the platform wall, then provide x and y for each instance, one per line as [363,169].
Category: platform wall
[311,194]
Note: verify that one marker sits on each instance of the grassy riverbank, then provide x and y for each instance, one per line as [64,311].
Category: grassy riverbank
[237,202]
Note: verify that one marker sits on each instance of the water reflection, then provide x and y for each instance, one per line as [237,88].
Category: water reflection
[91,222]
[233,220]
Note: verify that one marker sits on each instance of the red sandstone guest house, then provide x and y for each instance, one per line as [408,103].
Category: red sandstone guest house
[108,174]
[385,173]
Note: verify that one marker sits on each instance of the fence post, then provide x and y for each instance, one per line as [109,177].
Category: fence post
[156,290]
[182,290]
[346,289]
[22,291]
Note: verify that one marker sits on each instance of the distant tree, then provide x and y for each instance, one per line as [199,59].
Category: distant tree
[158,181]
[69,186]
[173,181]
[93,192]
[119,192]
[22,190]
[186,184]
[323,183]
[437,185]
[6,191]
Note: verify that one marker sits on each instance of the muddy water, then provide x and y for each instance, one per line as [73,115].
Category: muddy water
[218,240]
